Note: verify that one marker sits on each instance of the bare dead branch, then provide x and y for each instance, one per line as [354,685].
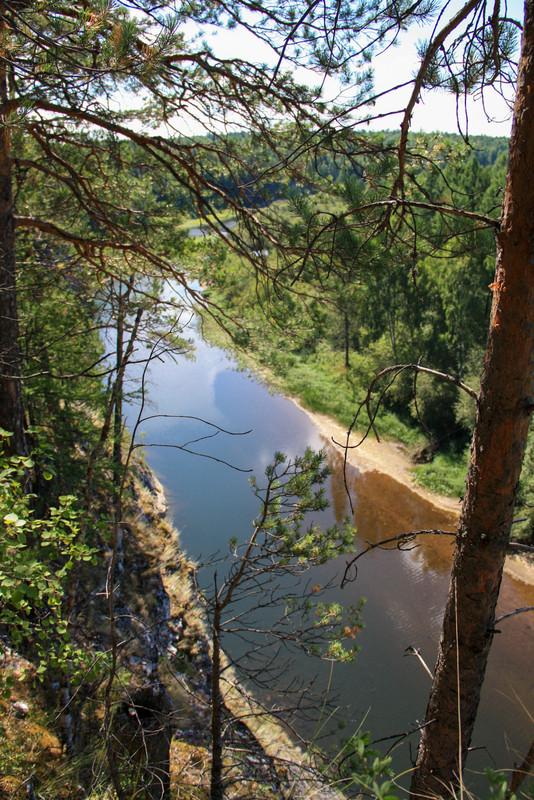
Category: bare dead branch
[397,369]
[197,419]
[513,613]
[185,449]
[440,208]
[520,547]
[414,651]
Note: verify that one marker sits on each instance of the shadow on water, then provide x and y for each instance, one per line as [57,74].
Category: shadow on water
[406,594]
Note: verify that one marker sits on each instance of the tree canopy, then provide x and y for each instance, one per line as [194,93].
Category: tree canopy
[101,105]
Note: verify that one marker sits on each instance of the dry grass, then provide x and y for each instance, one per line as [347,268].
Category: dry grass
[29,748]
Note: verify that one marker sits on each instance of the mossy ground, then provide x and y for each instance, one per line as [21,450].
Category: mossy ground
[30,749]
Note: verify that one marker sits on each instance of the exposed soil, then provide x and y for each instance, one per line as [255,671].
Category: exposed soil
[390,458]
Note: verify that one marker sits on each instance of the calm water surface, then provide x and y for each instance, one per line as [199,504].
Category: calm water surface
[384,690]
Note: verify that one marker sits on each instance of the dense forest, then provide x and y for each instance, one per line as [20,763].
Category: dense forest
[333,254]
[341,323]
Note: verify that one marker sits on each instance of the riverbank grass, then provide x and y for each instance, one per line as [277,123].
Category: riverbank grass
[321,383]
[199,222]
[445,474]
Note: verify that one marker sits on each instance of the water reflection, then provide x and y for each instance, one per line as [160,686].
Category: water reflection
[405,591]
[383,508]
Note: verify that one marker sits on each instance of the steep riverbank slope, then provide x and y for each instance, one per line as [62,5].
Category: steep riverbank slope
[145,711]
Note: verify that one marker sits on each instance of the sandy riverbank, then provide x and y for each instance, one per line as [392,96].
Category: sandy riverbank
[391,459]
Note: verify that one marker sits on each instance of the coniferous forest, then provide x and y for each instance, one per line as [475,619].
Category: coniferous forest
[380,275]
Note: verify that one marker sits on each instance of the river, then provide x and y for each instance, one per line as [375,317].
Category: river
[385,690]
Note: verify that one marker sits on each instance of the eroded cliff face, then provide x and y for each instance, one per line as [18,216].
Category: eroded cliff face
[59,741]
[54,732]
[161,666]
[160,690]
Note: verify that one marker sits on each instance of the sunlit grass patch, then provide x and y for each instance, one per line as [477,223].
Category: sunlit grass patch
[445,474]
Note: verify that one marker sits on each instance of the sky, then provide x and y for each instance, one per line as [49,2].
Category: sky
[436,110]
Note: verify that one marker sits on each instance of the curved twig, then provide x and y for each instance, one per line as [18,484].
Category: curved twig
[433,47]
[193,453]
[402,541]
[397,369]
[198,419]
[513,613]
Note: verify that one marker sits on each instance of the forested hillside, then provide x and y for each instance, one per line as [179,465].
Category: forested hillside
[337,253]
[373,306]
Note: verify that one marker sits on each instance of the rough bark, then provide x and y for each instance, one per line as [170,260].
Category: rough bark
[147,732]
[11,408]
[505,405]
[217,783]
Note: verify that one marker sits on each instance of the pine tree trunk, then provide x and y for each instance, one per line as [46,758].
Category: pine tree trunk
[117,421]
[505,405]
[217,784]
[346,332]
[11,409]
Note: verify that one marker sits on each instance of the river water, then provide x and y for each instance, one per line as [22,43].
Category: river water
[385,690]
